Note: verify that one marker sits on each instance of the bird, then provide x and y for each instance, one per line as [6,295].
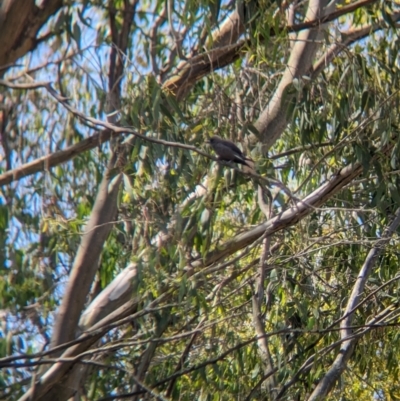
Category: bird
[227,151]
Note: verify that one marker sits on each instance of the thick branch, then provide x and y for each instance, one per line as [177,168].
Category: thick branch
[120,291]
[62,156]
[87,260]
[118,51]
[274,118]
[191,71]
[20,23]
[101,222]
[59,373]
[285,219]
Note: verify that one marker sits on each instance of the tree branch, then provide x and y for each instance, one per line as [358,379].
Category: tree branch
[202,64]
[273,119]
[346,350]
[19,26]
[62,156]
[59,157]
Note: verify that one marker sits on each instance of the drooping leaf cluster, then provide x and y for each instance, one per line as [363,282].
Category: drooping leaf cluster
[176,205]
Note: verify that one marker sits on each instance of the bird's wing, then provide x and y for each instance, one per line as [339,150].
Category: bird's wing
[233,147]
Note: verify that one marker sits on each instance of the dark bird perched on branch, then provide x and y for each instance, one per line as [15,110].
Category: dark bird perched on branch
[227,151]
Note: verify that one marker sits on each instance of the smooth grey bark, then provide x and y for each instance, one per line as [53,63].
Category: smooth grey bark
[101,222]
[105,208]
[285,219]
[346,350]
[87,259]
[117,293]
[274,118]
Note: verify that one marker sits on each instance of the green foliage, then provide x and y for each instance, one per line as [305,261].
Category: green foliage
[166,222]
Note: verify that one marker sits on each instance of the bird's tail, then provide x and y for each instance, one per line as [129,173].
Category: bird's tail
[250,166]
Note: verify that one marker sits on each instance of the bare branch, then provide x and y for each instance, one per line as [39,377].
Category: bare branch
[37,165]
[87,259]
[262,342]
[300,149]
[346,350]
[349,37]
[46,162]
[178,37]
[184,356]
